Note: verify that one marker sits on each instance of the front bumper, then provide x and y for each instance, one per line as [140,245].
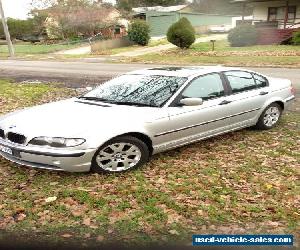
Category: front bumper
[70,160]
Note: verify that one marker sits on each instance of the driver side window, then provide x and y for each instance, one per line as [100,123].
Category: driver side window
[205,87]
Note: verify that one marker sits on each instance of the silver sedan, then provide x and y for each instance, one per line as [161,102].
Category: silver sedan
[120,124]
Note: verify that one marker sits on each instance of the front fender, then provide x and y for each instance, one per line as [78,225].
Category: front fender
[105,134]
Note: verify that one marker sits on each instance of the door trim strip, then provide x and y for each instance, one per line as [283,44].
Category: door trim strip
[205,123]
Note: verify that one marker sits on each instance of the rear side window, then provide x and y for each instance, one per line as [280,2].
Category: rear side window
[240,81]
[205,87]
[260,81]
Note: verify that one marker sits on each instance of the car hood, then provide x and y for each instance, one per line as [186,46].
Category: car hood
[74,117]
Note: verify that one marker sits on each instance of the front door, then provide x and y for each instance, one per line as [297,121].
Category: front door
[190,123]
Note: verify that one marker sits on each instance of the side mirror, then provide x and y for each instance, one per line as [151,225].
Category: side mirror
[191,101]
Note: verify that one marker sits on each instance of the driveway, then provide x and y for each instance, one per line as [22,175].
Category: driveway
[77,51]
[148,50]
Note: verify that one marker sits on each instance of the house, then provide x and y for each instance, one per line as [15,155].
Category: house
[276,20]
[161,18]
[241,19]
[110,22]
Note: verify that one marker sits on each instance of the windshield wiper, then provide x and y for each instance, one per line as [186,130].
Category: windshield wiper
[132,104]
[93,98]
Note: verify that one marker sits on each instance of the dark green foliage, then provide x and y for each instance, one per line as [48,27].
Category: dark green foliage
[139,32]
[18,28]
[181,33]
[296,38]
[29,29]
[243,35]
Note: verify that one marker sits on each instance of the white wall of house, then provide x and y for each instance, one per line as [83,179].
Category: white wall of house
[240,18]
[260,11]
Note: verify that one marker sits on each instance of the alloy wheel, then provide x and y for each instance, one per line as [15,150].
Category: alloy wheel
[271,116]
[118,157]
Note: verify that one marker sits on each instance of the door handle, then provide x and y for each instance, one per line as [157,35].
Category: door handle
[225,102]
[264,93]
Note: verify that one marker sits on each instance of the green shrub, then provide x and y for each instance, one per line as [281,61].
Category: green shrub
[181,33]
[243,35]
[139,32]
[296,38]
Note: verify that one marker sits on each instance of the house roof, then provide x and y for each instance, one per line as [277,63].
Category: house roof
[252,1]
[159,8]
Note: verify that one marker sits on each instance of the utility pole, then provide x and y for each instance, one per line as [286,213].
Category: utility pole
[6,31]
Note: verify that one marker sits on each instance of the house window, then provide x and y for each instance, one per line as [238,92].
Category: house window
[117,31]
[278,13]
[292,12]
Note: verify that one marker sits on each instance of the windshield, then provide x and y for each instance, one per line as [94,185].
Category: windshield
[141,90]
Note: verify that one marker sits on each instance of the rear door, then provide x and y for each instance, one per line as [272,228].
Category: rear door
[249,91]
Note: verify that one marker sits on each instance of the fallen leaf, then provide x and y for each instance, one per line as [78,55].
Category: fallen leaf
[200,212]
[161,180]
[51,199]
[84,189]
[174,232]
[67,235]
[94,227]
[100,238]
[87,235]
[20,217]
[76,213]
[20,210]
[269,186]
[272,223]
[86,222]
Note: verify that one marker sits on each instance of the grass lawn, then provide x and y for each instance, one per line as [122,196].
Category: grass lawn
[241,182]
[23,49]
[115,51]
[267,55]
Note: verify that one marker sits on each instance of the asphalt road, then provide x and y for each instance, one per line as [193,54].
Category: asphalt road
[89,72]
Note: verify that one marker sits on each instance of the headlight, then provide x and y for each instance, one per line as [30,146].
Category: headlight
[56,142]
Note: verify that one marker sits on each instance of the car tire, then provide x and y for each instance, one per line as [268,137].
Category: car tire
[119,155]
[269,117]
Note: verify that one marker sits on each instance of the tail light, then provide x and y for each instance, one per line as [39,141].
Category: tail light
[293,90]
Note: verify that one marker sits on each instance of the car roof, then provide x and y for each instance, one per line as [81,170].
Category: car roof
[186,71]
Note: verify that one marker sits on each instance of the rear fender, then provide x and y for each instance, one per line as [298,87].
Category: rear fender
[267,103]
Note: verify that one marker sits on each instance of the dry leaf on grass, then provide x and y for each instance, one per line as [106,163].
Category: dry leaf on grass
[174,232]
[86,222]
[51,199]
[100,238]
[20,217]
[67,235]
